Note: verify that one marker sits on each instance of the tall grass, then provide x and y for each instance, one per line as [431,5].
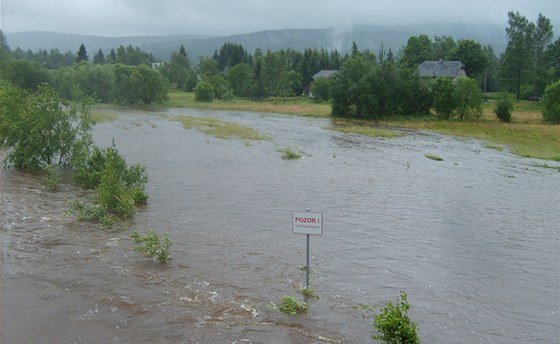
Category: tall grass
[291,105]
[218,128]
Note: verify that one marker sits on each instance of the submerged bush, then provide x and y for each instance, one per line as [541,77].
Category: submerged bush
[393,324]
[290,305]
[118,188]
[51,180]
[152,246]
[41,128]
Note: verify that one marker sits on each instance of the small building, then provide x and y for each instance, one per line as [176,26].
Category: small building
[437,69]
[324,73]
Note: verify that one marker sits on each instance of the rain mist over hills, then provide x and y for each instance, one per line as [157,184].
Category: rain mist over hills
[340,38]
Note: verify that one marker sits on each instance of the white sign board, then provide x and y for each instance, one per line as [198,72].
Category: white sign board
[304,222]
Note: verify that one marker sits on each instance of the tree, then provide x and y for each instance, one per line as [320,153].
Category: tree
[28,74]
[41,128]
[230,55]
[542,38]
[417,50]
[321,89]
[471,54]
[459,99]
[503,108]
[139,85]
[82,54]
[551,104]
[177,70]
[524,62]
[444,97]
[203,92]
[99,58]
[347,99]
[240,80]
[94,81]
[442,47]
[5,58]
[469,99]
[552,58]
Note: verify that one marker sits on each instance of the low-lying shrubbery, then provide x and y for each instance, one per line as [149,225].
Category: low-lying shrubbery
[118,187]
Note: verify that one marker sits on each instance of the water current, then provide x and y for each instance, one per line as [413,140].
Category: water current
[474,240]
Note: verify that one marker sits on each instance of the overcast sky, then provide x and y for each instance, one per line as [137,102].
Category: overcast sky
[223,17]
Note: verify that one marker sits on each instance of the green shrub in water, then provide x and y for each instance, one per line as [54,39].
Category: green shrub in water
[290,305]
[152,246]
[393,324]
[51,180]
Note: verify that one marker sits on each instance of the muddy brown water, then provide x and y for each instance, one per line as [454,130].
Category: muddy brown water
[474,240]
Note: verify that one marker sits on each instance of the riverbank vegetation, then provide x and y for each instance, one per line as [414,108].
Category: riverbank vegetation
[380,89]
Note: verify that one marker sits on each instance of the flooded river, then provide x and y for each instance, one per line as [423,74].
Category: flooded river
[474,240]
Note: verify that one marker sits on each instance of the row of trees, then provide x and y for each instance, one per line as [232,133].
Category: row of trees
[54,59]
[530,62]
[365,89]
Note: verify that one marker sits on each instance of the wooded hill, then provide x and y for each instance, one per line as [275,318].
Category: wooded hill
[366,36]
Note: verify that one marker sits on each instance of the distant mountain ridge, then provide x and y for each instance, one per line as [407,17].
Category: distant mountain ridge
[366,37]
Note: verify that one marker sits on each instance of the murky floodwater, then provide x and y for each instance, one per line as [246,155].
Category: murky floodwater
[474,240]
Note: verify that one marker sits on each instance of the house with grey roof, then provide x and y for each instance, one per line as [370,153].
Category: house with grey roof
[437,69]
[324,73]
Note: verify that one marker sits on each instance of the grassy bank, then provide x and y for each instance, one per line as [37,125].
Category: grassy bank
[526,135]
[301,106]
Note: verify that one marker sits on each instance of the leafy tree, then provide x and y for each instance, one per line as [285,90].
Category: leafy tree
[347,99]
[414,97]
[139,85]
[417,50]
[489,79]
[552,58]
[82,54]
[444,97]
[542,38]
[551,103]
[471,54]
[204,92]
[94,81]
[240,80]
[469,99]
[523,62]
[457,99]
[442,47]
[28,74]
[5,58]
[177,70]
[41,128]
[321,89]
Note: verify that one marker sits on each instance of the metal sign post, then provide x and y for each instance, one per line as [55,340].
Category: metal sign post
[309,224]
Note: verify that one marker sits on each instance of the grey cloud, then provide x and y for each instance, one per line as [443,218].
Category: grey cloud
[139,17]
